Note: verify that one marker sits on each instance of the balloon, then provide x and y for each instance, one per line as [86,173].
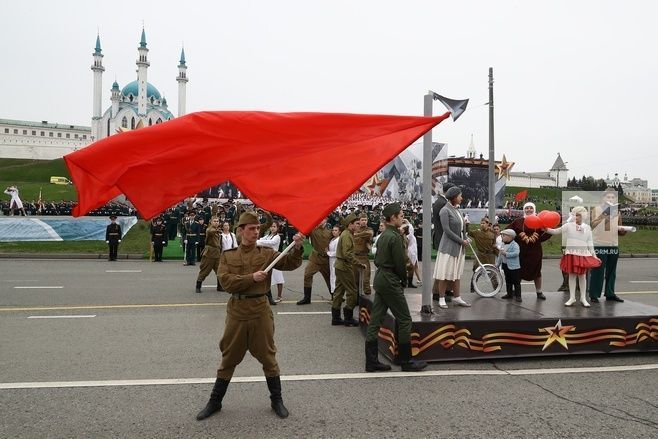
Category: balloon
[533,222]
[549,218]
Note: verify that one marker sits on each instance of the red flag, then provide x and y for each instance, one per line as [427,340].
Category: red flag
[299,165]
[521,195]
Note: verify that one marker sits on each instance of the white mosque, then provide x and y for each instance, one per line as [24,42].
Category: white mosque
[137,104]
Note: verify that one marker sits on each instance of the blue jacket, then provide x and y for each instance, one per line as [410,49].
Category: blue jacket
[512,258]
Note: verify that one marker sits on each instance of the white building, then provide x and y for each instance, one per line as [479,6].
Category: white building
[557,176]
[138,104]
[636,189]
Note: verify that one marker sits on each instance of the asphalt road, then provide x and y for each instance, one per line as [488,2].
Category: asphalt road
[129,333]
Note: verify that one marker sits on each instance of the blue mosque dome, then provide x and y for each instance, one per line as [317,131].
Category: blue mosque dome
[132,89]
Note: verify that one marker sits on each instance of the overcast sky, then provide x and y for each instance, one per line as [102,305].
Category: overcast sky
[575,77]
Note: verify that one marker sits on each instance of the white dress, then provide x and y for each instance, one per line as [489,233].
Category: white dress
[449,267]
[273,242]
[333,244]
[412,248]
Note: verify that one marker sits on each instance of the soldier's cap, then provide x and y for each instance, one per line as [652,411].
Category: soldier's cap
[200,217]
[349,219]
[508,232]
[158,218]
[113,217]
[248,218]
[391,209]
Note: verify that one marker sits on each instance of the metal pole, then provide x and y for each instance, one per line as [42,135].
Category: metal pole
[427,209]
[492,184]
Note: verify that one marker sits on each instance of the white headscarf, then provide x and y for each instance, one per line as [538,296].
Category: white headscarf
[534,208]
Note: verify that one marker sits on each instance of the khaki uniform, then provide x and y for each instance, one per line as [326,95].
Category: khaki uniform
[485,247]
[318,261]
[345,265]
[362,246]
[249,320]
[211,253]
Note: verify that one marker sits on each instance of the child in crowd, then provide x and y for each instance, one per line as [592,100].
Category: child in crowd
[508,257]
[579,256]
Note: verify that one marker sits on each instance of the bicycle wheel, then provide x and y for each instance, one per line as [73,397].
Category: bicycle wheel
[487,280]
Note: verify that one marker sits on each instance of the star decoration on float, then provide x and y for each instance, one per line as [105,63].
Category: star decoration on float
[504,167]
[557,334]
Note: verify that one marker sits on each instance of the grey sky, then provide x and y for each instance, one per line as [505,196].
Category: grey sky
[575,77]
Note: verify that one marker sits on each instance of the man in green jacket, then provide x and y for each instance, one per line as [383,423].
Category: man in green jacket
[345,265]
[389,284]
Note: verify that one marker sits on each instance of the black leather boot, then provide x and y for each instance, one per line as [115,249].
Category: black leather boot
[274,384]
[372,358]
[335,317]
[215,402]
[405,361]
[307,297]
[198,287]
[270,298]
[348,316]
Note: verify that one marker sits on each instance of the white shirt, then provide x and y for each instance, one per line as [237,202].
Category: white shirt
[578,238]
[229,241]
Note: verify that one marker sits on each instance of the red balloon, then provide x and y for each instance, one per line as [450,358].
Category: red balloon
[533,222]
[549,218]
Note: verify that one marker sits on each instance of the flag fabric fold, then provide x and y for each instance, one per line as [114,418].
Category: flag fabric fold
[299,165]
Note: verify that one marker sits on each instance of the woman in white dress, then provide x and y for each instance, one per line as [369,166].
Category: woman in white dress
[273,240]
[331,252]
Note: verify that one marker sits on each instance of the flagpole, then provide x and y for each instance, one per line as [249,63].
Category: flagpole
[427,210]
[492,158]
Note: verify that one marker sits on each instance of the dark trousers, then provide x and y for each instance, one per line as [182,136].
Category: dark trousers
[389,294]
[199,250]
[114,250]
[190,253]
[157,251]
[512,281]
[607,272]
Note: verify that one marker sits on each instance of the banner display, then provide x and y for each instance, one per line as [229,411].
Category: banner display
[49,228]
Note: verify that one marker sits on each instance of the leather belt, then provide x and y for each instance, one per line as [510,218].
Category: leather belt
[240,296]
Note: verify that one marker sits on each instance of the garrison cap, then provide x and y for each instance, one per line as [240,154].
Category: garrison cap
[113,217]
[248,218]
[349,219]
[391,209]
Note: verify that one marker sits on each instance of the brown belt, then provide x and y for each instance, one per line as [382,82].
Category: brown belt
[240,296]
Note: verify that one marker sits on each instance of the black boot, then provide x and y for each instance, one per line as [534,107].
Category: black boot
[405,361]
[410,282]
[307,297]
[216,396]
[348,315]
[517,297]
[372,358]
[335,317]
[274,384]
[198,287]
[270,298]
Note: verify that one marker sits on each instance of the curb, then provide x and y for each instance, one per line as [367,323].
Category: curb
[68,256]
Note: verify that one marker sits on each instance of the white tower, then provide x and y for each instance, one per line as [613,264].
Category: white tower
[470,152]
[98,69]
[142,66]
[115,97]
[182,80]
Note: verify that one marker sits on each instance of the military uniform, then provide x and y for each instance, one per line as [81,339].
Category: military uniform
[190,236]
[249,320]
[318,261]
[201,241]
[172,223]
[345,281]
[113,237]
[390,278]
[159,239]
[210,256]
[362,246]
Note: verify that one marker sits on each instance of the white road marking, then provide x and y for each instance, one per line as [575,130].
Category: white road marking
[643,281]
[63,317]
[123,271]
[285,313]
[327,377]
[38,287]
[208,286]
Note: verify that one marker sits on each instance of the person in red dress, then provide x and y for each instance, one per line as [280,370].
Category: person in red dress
[529,241]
